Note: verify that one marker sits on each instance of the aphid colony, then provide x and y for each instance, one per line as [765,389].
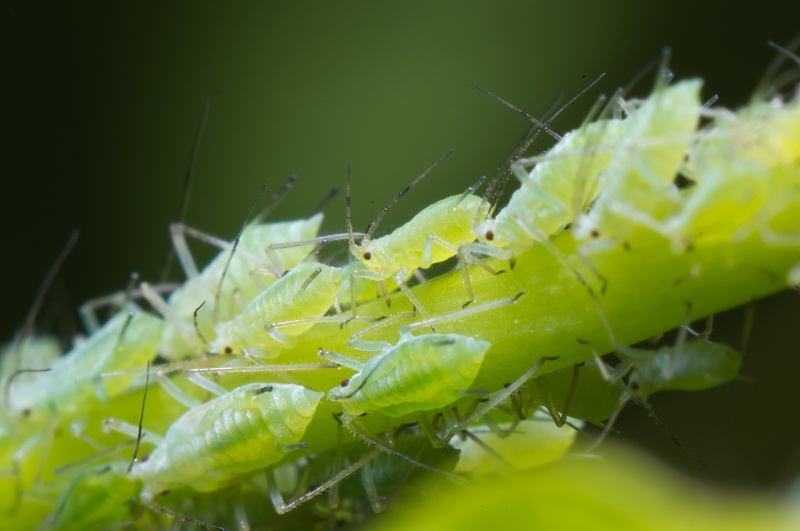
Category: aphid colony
[288,371]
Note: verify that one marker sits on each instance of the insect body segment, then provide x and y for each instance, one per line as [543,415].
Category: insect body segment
[418,374]
[307,292]
[216,443]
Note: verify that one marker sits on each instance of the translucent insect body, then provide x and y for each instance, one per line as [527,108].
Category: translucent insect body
[419,373]
[305,293]
[435,234]
[218,442]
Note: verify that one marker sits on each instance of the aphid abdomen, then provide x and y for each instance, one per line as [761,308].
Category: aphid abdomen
[696,366]
[419,374]
[216,443]
[307,291]
[449,219]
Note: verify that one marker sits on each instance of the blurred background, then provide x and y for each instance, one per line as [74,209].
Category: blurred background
[102,101]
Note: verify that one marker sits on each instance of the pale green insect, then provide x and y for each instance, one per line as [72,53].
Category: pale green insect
[223,440]
[302,296]
[72,383]
[639,186]
[435,234]
[417,374]
[692,365]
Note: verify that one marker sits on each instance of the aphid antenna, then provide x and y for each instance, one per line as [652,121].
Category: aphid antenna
[30,318]
[169,512]
[370,230]
[276,198]
[217,293]
[141,419]
[499,181]
[183,204]
[325,201]
[542,126]
[770,80]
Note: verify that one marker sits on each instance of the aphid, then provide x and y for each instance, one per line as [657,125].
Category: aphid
[433,235]
[692,365]
[417,374]
[72,385]
[639,185]
[223,440]
[303,295]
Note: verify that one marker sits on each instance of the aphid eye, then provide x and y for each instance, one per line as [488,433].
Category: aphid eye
[345,382]
[26,412]
[489,235]
[634,386]
[144,458]
[595,233]
[367,255]
[228,350]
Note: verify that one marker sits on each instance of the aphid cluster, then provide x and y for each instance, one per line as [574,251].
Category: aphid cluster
[230,360]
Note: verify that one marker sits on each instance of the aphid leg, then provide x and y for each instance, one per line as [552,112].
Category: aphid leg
[179,231]
[355,340]
[358,430]
[275,261]
[281,507]
[466,256]
[88,310]
[460,314]
[547,244]
[498,397]
[169,512]
[561,418]
[120,426]
[272,328]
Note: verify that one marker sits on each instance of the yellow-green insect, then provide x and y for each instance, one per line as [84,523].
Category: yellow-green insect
[302,296]
[435,234]
[221,441]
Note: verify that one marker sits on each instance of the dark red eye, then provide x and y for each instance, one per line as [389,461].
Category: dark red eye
[595,233]
[489,235]
[228,350]
[635,386]
[367,255]
[345,382]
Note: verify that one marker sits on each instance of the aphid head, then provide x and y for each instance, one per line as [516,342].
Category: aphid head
[368,255]
[487,232]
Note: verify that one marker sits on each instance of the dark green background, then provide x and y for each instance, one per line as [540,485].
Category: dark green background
[101,102]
